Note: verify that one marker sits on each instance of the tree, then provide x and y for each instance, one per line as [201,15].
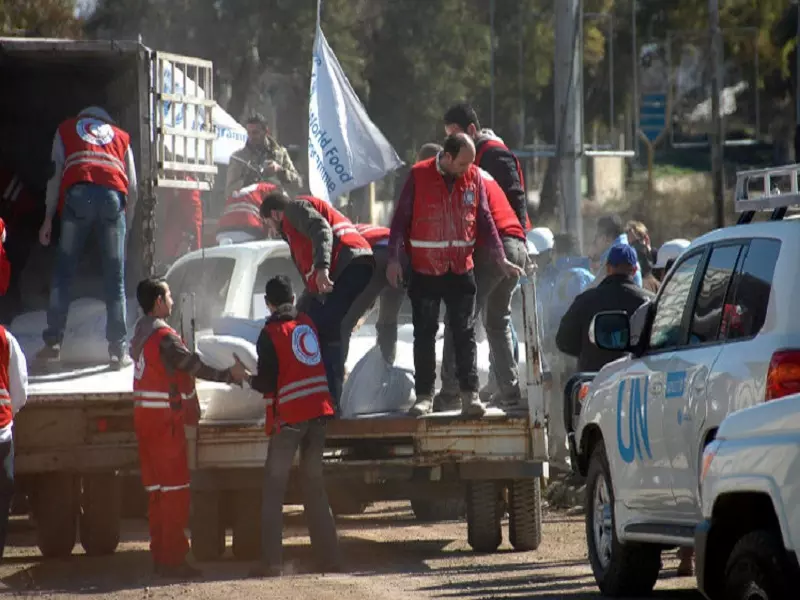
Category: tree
[40,18]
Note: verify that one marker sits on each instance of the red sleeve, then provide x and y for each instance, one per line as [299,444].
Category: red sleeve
[401,221]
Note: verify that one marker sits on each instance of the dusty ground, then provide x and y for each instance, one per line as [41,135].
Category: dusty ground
[389,554]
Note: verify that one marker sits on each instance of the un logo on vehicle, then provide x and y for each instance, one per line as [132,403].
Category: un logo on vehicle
[305,345]
[638,434]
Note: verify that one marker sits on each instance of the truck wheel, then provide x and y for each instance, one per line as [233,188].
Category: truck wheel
[208,530]
[484,513]
[525,514]
[757,568]
[55,508]
[247,525]
[619,569]
[447,509]
[99,521]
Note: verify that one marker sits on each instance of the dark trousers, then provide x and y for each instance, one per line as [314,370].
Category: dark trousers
[458,293]
[309,438]
[6,488]
[329,314]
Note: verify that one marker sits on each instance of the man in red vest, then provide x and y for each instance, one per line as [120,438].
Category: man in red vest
[241,218]
[93,189]
[165,400]
[292,378]
[334,260]
[183,221]
[440,214]
[13,394]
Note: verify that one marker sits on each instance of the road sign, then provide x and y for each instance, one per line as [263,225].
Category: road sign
[653,115]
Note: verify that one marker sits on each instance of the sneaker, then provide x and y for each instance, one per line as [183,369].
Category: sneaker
[487,391]
[507,401]
[422,406]
[119,360]
[263,571]
[48,355]
[444,401]
[181,571]
[472,405]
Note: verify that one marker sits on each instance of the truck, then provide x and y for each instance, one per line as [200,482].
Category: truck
[74,439]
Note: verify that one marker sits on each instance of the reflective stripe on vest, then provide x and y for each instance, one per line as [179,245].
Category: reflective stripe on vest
[344,228]
[166,488]
[444,244]
[320,384]
[94,158]
[5,398]
[243,207]
[149,399]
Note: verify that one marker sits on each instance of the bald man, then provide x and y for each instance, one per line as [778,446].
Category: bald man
[441,212]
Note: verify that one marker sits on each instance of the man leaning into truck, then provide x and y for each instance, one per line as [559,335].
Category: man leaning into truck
[93,190]
[165,399]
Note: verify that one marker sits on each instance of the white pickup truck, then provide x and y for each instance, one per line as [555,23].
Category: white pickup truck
[432,460]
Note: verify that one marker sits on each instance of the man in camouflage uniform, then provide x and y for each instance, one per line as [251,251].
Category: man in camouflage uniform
[262,159]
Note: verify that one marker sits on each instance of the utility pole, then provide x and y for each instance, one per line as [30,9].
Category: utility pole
[568,74]
[717,130]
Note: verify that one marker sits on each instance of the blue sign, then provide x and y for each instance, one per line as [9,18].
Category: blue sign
[676,384]
[638,434]
[653,115]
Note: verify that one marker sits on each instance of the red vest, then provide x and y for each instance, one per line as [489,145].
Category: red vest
[242,209]
[374,234]
[302,389]
[15,199]
[505,219]
[443,223]
[344,234]
[6,413]
[94,152]
[495,143]
[159,394]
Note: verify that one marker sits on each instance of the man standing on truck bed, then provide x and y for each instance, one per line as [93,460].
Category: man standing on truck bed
[334,260]
[441,211]
[292,378]
[93,189]
[261,159]
[165,400]
[241,218]
[13,394]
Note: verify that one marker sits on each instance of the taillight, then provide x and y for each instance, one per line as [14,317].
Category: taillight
[783,376]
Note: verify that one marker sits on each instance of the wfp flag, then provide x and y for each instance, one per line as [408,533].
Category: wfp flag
[345,149]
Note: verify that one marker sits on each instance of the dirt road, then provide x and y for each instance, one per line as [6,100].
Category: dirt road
[389,554]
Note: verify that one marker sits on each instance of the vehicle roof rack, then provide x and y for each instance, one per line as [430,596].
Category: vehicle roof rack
[768,196]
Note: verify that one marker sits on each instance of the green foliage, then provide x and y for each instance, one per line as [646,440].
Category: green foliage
[39,18]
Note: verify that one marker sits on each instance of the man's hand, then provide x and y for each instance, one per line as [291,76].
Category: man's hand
[394,273]
[323,280]
[45,231]
[238,371]
[272,167]
[509,269]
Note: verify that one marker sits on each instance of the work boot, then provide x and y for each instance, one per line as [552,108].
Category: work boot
[422,406]
[486,391]
[119,360]
[471,405]
[47,356]
[507,401]
[181,571]
[444,401]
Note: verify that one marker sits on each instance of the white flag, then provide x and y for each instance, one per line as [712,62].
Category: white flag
[345,148]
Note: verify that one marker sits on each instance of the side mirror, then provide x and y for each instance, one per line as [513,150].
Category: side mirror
[611,330]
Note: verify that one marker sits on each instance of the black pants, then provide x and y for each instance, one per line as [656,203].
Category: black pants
[6,488]
[458,293]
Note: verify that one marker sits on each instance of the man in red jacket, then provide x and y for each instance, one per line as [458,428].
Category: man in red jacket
[334,260]
[292,378]
[241,218]
[440,214]
[165,400]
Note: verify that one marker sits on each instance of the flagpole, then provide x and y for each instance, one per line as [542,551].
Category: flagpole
[319,12]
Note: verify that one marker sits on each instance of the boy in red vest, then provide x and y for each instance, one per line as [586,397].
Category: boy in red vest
[292,378]
[165,400]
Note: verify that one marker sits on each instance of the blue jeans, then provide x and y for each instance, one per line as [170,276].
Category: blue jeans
[90,208]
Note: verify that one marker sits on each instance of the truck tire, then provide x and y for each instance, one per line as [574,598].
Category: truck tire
[757,568]
[208,529]
[525,514]
[619,569]
[55,508]
[484,513]
[100,516]
[247,525]
[446,509]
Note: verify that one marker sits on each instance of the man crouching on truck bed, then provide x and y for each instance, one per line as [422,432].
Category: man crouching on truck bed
[165,400]
[292,378]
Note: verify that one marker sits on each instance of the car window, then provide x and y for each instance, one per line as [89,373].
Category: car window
[666,331]
[208,279]
[746,308]
[708,308]
[268,269]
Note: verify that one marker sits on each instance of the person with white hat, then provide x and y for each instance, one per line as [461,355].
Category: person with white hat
[667,255]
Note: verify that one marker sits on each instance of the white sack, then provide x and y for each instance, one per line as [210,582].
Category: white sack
[374,386]
[247,329]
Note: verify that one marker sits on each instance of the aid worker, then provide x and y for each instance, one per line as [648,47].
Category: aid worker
[165,400]
[292,378]
[183,220]
[13,394]
[440,214]
[334,260]
[93,190]
[241,218]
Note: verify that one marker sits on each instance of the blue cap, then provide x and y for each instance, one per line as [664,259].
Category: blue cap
[622,254]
